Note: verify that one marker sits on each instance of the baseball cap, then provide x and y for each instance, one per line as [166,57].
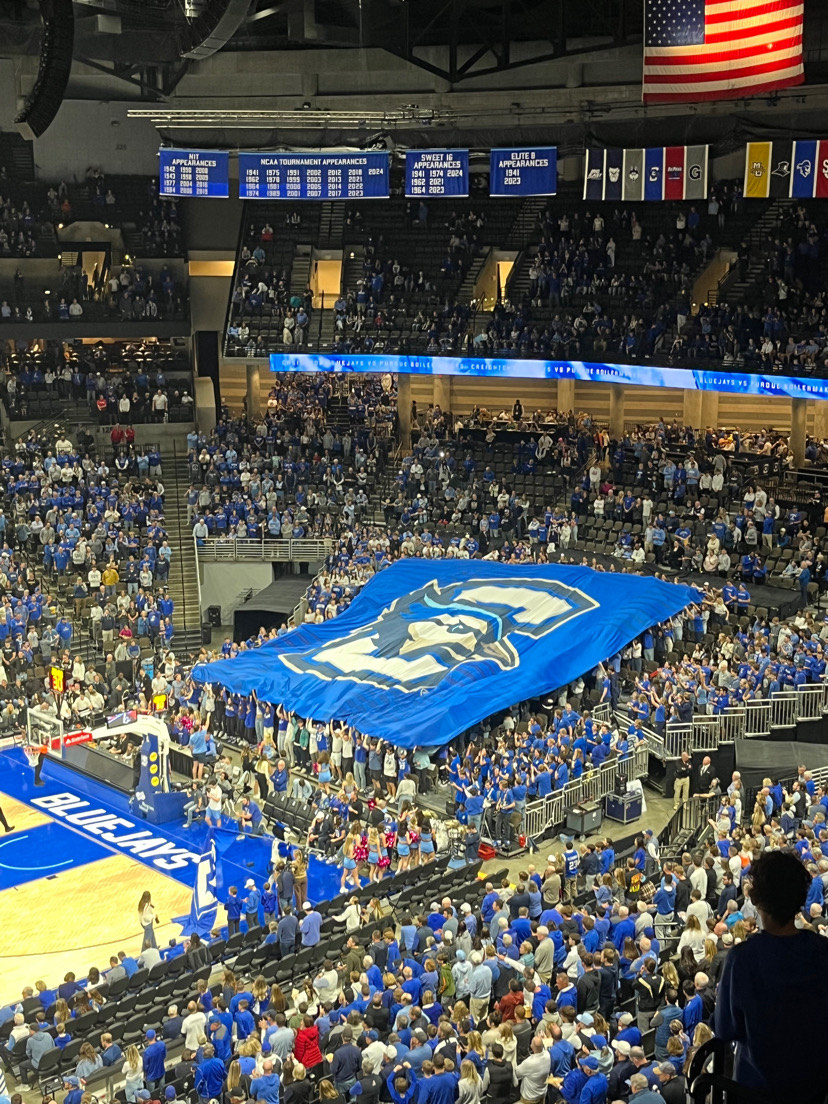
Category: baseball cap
[143,1094]
[622,1046]
[586,1018]
[307,905]
[625,1018]
[599,1041]
[150,1034]
[373,1036]
[73,1081]
[169,1092]
[588,1063]
[665,1068]
[465,907]
[249,884]
[461,956]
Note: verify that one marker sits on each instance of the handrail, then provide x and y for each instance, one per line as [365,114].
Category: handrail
[785,709]
[217,549]
[546,812]
[198,579]
[180,510]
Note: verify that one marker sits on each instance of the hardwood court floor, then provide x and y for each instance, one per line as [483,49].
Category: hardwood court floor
[78,916]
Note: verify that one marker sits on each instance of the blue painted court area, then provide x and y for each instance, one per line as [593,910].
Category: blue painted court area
[95,820]
[44,851]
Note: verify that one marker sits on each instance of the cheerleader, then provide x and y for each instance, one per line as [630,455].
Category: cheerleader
[385,848]
[360,849]
[403,844]
[373,855]
[414,838]
[324,775]
[348,865]
[426,842]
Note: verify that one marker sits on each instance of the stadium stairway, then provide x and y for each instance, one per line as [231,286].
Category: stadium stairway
[742,280]
[331,225]
[352,261]
[183,580]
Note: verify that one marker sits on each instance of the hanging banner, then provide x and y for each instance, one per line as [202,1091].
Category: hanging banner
[652,174]
[436,173]
[523,172]
[757,170]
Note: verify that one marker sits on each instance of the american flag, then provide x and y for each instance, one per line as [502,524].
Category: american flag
[720,49]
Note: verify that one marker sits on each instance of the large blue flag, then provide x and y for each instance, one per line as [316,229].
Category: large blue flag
[204,905]
[428,648]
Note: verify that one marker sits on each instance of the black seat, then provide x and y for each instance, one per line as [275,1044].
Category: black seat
[117,987]
[47,1071]
[217,949]
[139,979]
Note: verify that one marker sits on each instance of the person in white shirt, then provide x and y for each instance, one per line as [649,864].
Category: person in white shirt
[699,908]
[193,1026]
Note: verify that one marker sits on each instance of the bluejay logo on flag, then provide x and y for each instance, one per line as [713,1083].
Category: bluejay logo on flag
[427,649]
[420,637]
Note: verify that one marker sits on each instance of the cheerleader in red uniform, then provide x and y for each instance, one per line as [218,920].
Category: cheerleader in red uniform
[361,851]
[387,840]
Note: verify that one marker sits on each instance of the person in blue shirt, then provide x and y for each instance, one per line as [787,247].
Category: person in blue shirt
[154,1059]
[310,925]
[251,903]
[233,907]
[250,818]
[204,751]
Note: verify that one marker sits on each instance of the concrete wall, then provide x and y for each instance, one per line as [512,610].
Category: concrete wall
[224,584]
[92,133]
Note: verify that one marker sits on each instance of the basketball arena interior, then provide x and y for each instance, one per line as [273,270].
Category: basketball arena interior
[414,439]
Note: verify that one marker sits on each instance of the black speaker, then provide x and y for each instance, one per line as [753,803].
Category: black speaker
[206,633]
[56,46]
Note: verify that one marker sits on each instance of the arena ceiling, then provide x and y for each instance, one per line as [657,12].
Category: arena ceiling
[148,44]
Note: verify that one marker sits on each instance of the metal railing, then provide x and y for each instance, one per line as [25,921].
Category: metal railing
[549,812]
[602,713]
[757,718]
[686,821]
[225,549]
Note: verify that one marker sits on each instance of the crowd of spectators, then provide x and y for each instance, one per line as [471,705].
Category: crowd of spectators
[290,473]
[130,294]
[19,226]
[577,981]
[586,980]
[124,382]
[782,326]
[85,556]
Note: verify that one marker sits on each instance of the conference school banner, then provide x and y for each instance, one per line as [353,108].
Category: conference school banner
[654,173]
[631,375]
[428,649]
[787,169]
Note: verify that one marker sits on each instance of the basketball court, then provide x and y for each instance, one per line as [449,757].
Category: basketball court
[77,862]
